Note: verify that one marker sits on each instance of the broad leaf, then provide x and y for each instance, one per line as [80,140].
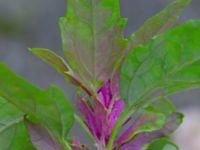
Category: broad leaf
[168,63]
[13,133]
[160,22]
[93,39]
[162,144]
[49,107]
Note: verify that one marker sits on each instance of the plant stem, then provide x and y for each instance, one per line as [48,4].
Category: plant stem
[126,114]
[116,128]
[101,146]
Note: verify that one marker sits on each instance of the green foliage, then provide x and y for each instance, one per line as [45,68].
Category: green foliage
[158,62]
[167,62]
[13,133]
[162,144]
[47,107]
[92,38]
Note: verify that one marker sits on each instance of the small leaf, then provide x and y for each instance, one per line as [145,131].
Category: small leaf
[160,22]
[162,144]
[41,138]
[49,107]
[54,60]
[167,64]
[93,42]
[60,65]
[13,133]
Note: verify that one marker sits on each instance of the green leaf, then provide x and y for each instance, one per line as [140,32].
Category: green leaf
[162,144]
[160,22]
[60,65]
[144,138]
[54,60]
[49,107]
[13,133]
[168,63]
[152,118]
[163,105]
[93,39]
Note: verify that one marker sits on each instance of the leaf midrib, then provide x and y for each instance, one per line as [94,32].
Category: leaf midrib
[94,35]
[11,123]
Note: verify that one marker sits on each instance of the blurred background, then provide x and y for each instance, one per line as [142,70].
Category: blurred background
[28,23]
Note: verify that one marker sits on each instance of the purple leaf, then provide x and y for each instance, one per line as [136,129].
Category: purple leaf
[103,112]
[101,120]
[105,94]
[41,138]
[87,114]
[117,109]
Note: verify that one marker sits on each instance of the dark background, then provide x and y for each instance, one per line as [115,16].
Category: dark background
[28,23]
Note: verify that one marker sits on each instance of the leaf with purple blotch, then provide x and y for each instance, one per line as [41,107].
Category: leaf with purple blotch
[41,137]
[92,36]
[141,139]
[148,121]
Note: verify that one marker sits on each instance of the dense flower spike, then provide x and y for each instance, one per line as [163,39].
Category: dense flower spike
[101,114]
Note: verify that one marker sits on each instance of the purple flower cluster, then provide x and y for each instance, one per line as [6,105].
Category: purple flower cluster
[101,114]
